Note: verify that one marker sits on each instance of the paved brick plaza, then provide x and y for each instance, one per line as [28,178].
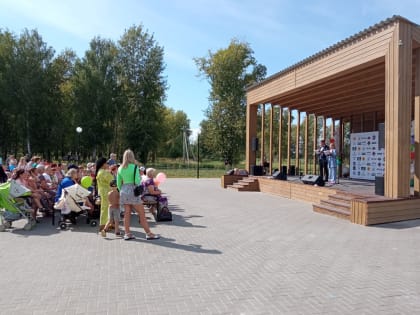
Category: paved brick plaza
[224,253]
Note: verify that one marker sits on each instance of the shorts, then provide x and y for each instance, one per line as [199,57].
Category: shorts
[114,214]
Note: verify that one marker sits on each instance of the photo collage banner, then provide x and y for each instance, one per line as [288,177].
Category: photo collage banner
[366,159]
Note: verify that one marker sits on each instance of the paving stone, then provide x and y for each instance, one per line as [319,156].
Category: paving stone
[226,252]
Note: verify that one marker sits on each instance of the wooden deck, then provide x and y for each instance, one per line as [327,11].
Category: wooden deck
[353,200]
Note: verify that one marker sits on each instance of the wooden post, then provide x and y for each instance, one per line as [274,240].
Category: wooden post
[280,136]
[306,142]
[324,128]
[251,133]
[262,134]
[315,140]
[289,134]
[270,159]
[341,153]
[297,163]
[417,145]
[417,127]
[398,97]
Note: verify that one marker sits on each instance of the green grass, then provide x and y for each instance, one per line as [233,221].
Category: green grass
[176,168]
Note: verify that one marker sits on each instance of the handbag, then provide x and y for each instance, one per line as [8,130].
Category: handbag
[138,190]
[163,214]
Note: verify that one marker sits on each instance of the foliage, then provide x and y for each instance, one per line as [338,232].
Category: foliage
[115,93]
[228,71]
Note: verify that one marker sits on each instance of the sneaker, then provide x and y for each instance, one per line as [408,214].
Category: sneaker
[118,234]
[128,237]
[152,237]
[103,233]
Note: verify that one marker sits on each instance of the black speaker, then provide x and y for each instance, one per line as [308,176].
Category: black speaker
[381,140]
[279,175]
[379,185]
[312,180]
[257,170]
[254,144]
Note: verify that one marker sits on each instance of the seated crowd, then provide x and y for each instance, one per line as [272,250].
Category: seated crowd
[46,181]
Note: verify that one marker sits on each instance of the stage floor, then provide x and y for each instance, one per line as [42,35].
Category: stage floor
[354,186]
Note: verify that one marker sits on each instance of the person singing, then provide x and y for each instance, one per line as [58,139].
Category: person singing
[323,161]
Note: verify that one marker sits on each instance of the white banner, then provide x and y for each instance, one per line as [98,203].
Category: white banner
[366,159]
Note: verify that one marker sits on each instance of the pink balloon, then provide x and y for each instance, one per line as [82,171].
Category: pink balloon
[161,177]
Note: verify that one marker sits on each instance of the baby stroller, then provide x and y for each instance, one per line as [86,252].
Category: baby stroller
[13,205]
[71,204]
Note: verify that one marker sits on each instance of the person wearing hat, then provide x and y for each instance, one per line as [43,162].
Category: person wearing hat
[103,178]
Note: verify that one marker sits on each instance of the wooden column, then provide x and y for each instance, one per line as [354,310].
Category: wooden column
[341,152]
[251,132]
[280,137]
[398,97]
[262,134]
[270,159]
[297,163]
[306,142]
[417,127]
[289,134]
[324,128]
[314,160]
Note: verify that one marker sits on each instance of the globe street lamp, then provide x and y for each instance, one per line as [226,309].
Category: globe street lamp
[79,131]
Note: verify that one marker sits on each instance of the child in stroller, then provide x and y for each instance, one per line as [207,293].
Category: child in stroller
[12,205]
[71,204]
[71,199]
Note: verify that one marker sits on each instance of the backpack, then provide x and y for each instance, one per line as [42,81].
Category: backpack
[163,214]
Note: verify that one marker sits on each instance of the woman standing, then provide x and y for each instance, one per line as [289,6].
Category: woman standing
[332,164]
[127,178]
[103,178]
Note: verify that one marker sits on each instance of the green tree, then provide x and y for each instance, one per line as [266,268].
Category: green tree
[143,86]
[228,71]
[96,97]
[174,123]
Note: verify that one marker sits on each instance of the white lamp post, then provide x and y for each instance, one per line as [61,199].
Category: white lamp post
[79,131]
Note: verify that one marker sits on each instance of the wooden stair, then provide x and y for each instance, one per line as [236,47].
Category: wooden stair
[245,184]
[338,205]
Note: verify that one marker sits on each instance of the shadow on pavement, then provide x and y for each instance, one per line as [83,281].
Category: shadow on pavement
[400,225]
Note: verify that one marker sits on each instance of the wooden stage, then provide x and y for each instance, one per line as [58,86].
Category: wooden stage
[350,199]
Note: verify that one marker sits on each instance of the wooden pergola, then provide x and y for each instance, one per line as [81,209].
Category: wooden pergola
[370,78]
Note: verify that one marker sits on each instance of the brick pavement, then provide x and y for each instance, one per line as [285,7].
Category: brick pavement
[224,253]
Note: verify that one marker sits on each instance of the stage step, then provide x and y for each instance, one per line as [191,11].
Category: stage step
[338,205]
[345,206]
[245,184]
[332,210]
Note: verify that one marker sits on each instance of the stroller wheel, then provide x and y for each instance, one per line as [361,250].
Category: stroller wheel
[7,224]
[27,226]
[63,226]
[93,223]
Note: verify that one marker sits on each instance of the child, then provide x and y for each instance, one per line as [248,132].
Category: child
[113,209]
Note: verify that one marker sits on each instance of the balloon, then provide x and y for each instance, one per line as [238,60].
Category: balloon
[161,177]
[86,181]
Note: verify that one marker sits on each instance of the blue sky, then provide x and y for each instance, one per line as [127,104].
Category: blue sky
[281,32]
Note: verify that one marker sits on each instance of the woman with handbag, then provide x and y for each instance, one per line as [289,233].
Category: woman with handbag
[127,179]
[103,177]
